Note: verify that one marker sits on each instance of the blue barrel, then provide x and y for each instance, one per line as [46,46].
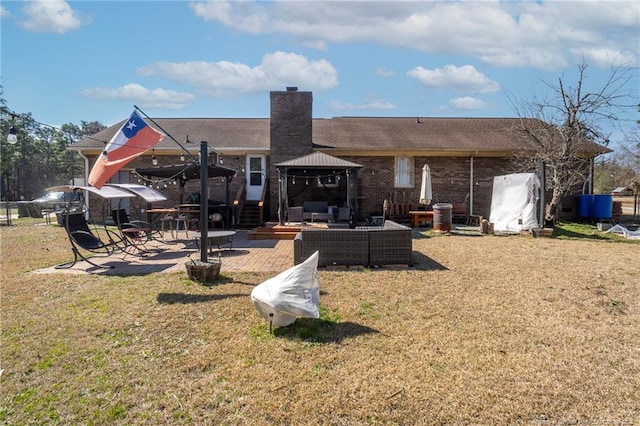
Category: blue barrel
[602,206]
[585,205]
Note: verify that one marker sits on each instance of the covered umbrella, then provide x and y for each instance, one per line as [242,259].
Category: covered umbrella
[425,190]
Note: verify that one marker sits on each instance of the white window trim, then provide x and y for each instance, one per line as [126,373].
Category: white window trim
[406,181]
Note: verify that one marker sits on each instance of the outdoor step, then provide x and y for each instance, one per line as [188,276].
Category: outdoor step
[273,232]
[270,236]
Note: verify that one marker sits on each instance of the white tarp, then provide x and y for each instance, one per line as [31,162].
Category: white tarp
[514,202]
[290,294]
[619,229]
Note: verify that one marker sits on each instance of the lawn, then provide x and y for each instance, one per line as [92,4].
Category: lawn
[484,330]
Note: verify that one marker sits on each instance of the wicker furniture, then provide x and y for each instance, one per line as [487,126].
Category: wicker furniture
[311,211]
[369,246]
[310,207]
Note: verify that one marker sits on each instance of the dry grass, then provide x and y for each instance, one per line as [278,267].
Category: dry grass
[487,330]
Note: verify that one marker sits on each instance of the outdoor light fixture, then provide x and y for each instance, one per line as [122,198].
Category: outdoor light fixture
[182,153]
[12,137]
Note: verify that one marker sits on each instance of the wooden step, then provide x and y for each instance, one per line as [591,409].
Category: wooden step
[276,232]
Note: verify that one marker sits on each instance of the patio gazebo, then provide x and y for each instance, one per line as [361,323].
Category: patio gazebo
[320,166]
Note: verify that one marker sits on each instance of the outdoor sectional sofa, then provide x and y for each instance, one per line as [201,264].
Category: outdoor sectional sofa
[389,244]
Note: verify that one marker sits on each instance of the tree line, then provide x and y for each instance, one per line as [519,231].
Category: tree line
[40,158]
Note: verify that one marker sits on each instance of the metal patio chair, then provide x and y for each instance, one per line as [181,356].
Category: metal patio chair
[81,237]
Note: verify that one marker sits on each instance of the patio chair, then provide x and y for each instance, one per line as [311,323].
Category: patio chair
[81,237]
[295,214]
[135,232]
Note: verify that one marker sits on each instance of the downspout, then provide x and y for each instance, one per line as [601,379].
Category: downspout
[543,186]
[349,188]
[280,212]
[592,172]
[471,186]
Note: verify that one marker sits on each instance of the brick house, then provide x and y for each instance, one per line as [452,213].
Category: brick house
[464,155]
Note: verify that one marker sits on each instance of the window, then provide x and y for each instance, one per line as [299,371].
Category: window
[404,172]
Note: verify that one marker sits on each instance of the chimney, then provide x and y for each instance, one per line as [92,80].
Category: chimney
[291,133]
[291,124]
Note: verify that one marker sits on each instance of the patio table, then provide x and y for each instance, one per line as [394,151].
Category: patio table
[418,216]
[159,214]
[218,238]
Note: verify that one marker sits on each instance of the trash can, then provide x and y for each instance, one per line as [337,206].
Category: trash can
[442,217]
[585,205]
[602,206]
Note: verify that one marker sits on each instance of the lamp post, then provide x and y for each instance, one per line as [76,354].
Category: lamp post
[12,138]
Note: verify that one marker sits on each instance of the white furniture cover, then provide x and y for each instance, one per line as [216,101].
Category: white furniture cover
[290,294]
[514,202]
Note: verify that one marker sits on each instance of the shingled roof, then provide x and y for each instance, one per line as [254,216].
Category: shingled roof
[229,133]
[319,160]
[365,135]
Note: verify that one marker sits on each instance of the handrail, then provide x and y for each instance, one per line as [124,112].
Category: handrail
[238,201]
[265,188]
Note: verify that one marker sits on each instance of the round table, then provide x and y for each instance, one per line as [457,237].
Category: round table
[218,238]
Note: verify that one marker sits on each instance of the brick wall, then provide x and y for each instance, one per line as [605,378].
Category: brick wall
[291,133]
[449,181]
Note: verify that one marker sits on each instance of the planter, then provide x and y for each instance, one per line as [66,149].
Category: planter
[542,232]
[203,271]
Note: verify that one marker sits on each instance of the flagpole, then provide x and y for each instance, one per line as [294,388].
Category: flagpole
[167,133]
[204,202]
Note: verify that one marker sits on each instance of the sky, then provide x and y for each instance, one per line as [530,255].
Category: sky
[73,61]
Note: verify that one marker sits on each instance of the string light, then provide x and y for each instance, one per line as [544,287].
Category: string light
[154,160]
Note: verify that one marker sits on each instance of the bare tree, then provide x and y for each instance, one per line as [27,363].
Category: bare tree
[564,134]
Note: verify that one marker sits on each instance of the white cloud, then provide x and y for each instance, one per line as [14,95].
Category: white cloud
[150,98]
[465,78]
[545,35]
[51,16]
[606,58]
[369,104]
[3,12]
[467,103]
[384,72]
[277,70]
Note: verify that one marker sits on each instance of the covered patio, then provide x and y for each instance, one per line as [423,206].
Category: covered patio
[321,169]
[182,173]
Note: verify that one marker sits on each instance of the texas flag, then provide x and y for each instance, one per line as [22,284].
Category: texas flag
[132,140]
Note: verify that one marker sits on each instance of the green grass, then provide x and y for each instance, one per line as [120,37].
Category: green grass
[576,230]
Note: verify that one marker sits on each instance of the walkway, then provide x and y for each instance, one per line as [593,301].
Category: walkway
[246,256]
